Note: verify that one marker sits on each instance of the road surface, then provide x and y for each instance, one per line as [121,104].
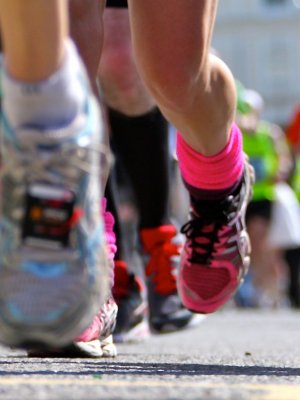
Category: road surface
[232,355]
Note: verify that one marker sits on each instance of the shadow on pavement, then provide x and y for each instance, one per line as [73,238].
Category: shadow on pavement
[43,367]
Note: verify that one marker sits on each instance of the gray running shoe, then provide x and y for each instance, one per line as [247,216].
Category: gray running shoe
[53,264]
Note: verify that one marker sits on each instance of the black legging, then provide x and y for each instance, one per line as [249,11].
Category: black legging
[141,144]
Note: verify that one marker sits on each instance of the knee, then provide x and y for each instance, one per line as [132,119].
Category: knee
[118,68]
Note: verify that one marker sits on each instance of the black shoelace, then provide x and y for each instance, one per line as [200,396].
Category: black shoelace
[207,225]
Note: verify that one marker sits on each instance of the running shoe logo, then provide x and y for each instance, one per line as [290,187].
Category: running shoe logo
[49,216]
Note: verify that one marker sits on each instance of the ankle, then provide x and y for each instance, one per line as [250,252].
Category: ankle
[49,103]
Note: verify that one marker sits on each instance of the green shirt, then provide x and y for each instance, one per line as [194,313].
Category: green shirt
[260,147]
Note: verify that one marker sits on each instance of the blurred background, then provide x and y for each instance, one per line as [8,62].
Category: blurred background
[260,42]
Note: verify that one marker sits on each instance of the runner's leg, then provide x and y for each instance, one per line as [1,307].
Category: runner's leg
[196,92]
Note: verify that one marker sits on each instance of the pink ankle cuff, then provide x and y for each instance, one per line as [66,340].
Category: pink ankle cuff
[217,172]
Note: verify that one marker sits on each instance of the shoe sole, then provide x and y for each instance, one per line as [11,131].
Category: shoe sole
[139,333]
[93,349]
[170,327]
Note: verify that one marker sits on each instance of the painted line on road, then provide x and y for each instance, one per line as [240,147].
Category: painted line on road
[267,391]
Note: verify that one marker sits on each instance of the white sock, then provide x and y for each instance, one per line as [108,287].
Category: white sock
[53,102]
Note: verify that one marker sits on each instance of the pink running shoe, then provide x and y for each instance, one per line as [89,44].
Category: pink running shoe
[216,255]
[97,340]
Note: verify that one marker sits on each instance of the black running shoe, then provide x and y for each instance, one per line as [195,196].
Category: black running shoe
[129,293]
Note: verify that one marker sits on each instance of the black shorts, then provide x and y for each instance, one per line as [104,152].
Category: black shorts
[116,3]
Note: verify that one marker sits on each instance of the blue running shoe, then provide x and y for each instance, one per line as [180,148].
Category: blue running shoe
[53,263]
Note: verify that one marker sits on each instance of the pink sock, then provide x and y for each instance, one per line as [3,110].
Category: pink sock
[218,172]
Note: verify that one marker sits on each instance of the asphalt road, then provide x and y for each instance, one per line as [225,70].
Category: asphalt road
[231,355]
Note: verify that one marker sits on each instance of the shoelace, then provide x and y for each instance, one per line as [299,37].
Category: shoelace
[29,152]
[203,230]
[160,267]
[51,165]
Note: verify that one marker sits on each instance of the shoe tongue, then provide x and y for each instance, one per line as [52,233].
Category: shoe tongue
[204,195]
[202,207]
[209,211]
[50,136]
